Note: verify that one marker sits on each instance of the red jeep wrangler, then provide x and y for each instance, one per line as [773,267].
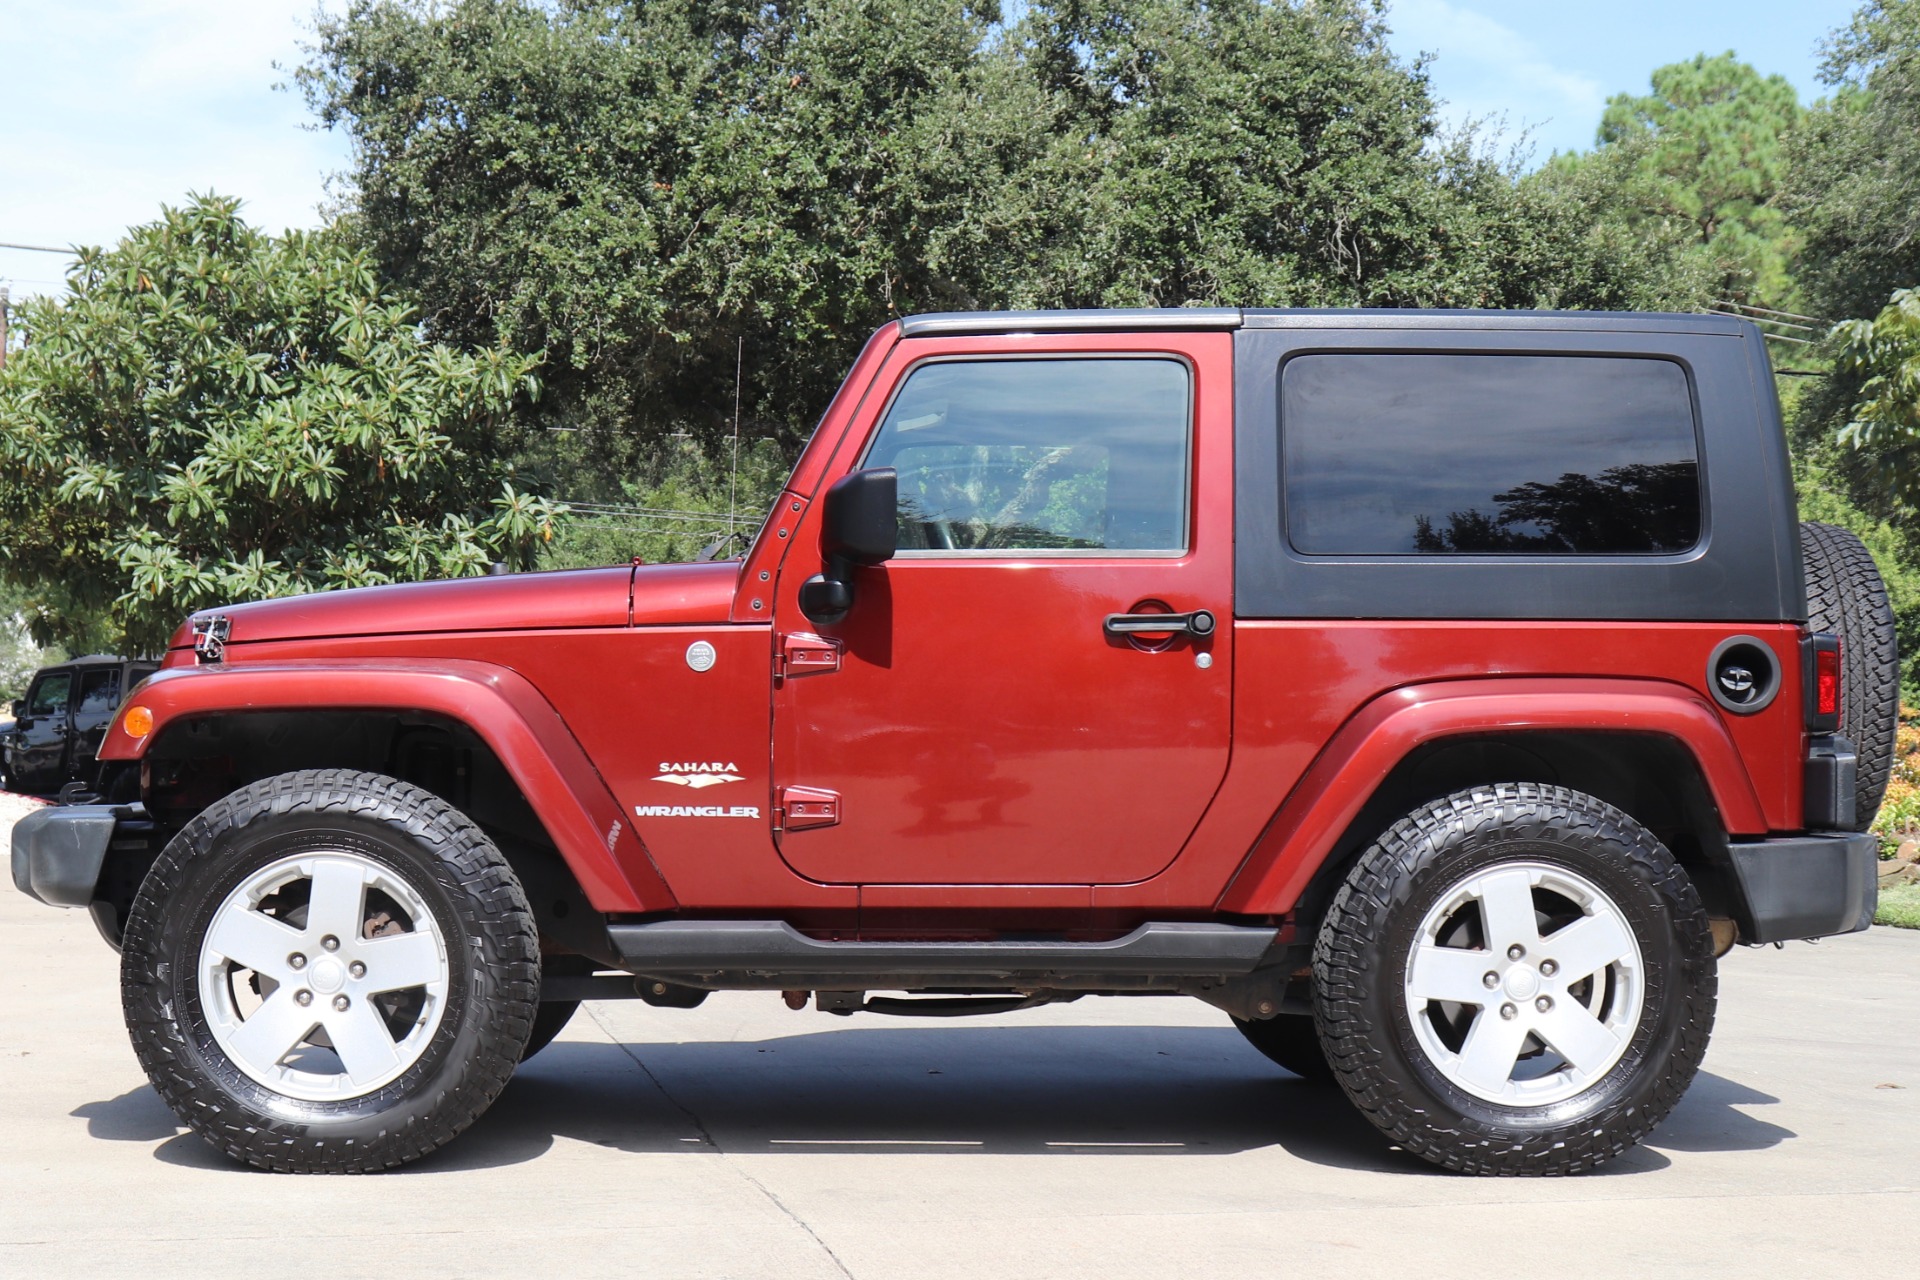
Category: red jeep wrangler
[1436,694]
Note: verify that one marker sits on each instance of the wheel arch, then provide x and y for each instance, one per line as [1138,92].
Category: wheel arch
[479,736]
[1655,750]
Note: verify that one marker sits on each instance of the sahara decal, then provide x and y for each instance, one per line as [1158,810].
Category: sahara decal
[698,774]
[695,811]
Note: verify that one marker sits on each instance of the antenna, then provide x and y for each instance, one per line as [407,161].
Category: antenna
[733,476]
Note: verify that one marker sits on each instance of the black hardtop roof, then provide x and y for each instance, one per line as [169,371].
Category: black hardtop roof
[937,324]
[94,660]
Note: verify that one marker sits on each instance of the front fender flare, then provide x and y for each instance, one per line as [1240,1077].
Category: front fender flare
[522,728]
[1308,826]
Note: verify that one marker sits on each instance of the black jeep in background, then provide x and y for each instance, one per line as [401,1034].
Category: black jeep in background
[58,726]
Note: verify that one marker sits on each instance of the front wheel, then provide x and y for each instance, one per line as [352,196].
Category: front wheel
[1516,979]
[330,972]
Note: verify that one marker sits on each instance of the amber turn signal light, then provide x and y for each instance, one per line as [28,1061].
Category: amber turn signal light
[137,723]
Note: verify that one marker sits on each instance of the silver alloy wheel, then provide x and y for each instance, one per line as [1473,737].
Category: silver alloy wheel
[1524,984]
[323,976]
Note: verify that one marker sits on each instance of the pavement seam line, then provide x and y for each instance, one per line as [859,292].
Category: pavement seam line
[707,1137]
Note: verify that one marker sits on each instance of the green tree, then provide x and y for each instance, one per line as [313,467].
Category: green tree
[1709,154]
[216,414]
[633,187]
[1853,190]
[20,656]
[1853,183]
[1882,358]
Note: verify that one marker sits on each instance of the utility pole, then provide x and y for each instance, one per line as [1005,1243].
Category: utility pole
[3,326]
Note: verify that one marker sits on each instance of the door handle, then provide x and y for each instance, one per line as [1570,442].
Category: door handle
[1198,624]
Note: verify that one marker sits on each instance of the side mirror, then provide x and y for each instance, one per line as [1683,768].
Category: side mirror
[18,709]
[859,525]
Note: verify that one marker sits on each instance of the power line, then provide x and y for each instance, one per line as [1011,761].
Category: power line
[34,248]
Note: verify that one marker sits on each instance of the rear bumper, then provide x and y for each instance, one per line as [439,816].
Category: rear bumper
[58,851]
[1811,886]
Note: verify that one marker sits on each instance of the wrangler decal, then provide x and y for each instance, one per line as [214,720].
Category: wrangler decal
[695,811]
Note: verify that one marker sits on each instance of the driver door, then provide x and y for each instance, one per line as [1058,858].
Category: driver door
[984,725]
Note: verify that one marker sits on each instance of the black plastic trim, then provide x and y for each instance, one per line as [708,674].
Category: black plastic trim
[58,851]
[1831,784]
[1746,568]
[1118,320]
[1812,886]
[775,948]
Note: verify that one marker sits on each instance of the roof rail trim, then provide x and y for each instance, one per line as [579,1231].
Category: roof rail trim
[1465,319]
[957,323]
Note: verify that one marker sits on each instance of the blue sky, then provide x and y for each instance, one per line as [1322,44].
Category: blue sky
[113,106]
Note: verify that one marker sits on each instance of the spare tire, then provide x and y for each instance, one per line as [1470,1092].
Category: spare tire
[1846,598]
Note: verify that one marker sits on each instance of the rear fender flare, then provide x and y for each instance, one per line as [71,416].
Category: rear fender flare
[584,820]
[1309,824]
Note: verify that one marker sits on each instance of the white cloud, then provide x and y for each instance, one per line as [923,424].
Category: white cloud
[1482,68]
[116,106]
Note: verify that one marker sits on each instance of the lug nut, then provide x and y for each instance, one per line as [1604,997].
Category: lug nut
[1548,968]
[303,997]
[330,942]
[296,961]
[1508,1012]
[1516,951]
[357,969]
[340,1004]
[1544,1003]
[1490,980]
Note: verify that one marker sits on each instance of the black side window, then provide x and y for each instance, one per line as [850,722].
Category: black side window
[1505,454]
[1058,455]
[49,696]
[99,692]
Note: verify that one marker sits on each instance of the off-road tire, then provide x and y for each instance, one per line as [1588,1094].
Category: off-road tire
[1361,956]
[1293,1042]
[476,902]
[1846,598]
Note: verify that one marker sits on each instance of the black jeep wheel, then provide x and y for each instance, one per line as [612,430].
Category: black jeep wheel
[1292,1041]
[1846,598]
[1516,979]
[330,972]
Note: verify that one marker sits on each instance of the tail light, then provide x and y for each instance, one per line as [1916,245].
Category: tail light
[1823,684]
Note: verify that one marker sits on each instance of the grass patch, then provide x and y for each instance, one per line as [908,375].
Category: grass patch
[1899,906]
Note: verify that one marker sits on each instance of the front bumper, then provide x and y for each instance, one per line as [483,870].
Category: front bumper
[58,851]
[1811,886]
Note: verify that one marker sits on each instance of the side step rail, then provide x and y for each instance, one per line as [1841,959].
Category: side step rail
[776,949]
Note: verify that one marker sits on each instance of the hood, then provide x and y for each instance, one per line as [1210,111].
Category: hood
[567,598]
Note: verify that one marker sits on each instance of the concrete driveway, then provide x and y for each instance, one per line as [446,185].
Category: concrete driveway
[1106,1138]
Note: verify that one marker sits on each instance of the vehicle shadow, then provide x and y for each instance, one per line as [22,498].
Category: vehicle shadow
[1050,1090]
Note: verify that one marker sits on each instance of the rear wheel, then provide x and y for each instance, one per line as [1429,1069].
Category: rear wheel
[329,972]
[1846,598]
[1516,979]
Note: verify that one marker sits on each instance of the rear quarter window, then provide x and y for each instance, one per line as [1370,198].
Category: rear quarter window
[1488,454]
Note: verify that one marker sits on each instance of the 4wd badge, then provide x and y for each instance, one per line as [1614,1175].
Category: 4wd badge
[701,655]
[698,774]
